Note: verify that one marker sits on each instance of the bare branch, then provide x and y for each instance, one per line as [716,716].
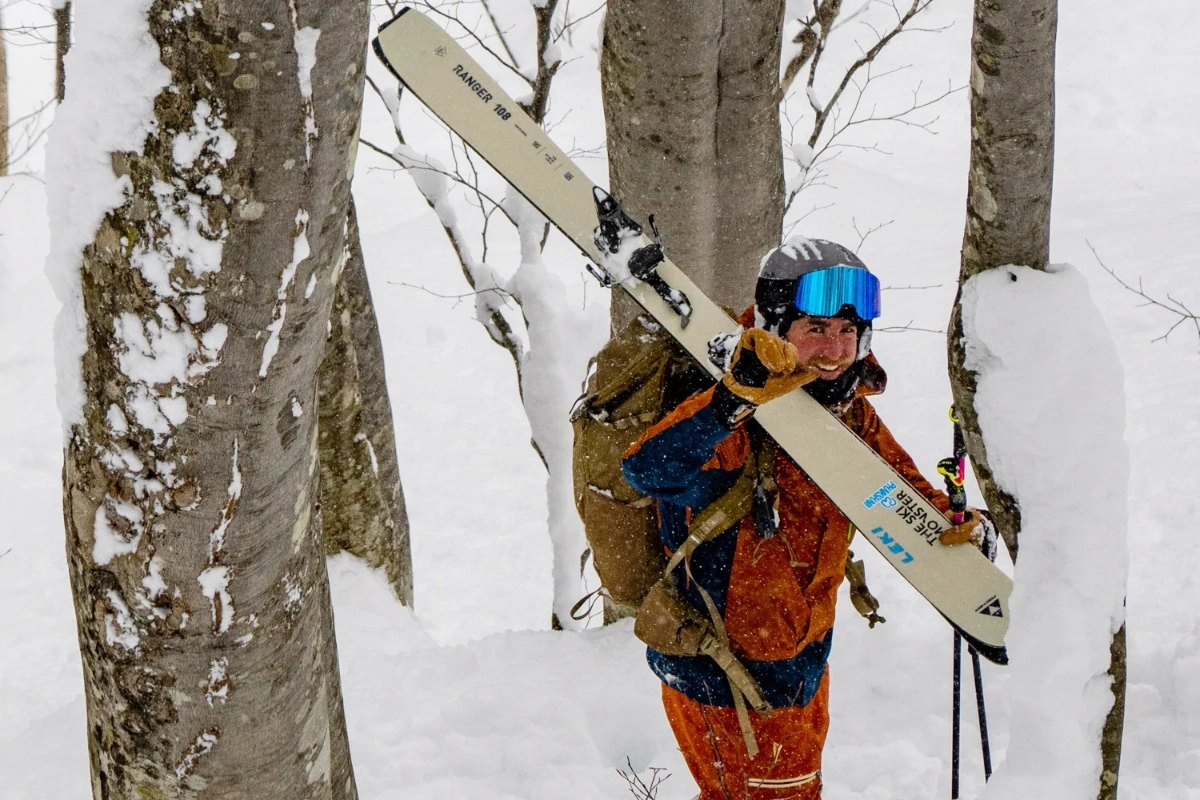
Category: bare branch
[471,34]
[463,296]
[805,216]
[639,788]
[452,176]
[536,108]
[497,325]
[487,6]
[813,31]
[902,19]
[908,327]
[862,237]
[569,23]
[1171,305]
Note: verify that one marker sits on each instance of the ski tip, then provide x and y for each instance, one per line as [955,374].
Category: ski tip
[399,14]
[378,48]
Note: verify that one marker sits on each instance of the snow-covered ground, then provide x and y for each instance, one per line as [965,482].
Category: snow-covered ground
[473,696]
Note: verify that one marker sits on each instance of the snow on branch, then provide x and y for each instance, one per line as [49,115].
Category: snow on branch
[524,313]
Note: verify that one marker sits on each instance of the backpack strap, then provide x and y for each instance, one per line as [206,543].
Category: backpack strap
[742,685]
[860,596]
[719,516]
[755,480]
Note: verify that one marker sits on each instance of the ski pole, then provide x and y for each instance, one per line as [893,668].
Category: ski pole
[954,725]
[983,730]
[954,470]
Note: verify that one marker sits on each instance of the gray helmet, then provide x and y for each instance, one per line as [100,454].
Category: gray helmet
[779,275]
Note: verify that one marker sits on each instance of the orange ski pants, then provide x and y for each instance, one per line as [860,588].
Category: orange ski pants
[788,763]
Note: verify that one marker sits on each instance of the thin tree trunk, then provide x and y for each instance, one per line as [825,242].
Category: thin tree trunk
[190,478]
[3,103]
[1114,723]
[691,103]
[362,502]
[1009,186]
[62,43]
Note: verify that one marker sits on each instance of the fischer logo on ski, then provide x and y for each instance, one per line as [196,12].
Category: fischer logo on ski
[991,608]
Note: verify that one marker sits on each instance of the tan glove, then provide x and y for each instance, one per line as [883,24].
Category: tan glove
[968,530]
[764,367]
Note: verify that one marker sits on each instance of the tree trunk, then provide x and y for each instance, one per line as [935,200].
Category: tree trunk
[691,107]
[62,43]
[190,477]
[1008,222]
[691,103]
[3,103]
[1009,186]
[362,503]
[1114,724]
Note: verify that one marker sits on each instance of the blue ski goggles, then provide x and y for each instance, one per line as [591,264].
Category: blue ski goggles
[823,293]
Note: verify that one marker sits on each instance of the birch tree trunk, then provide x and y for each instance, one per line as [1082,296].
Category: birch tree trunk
[362,502]
[691,104]
[190,479]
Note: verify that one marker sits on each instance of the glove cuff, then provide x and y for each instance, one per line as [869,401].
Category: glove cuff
[730,409]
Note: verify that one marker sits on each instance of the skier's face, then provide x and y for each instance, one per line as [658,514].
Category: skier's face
[827,343]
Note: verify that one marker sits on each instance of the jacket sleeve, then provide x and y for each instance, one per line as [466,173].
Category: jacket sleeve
[880,439]
[686,458]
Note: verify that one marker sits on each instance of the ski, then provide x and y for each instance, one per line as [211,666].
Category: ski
[960,582]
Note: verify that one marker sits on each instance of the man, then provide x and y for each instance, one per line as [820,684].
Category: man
[769,582]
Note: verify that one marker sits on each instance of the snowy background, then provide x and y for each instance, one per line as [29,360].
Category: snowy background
[473,696]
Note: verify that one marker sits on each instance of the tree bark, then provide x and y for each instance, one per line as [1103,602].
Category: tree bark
[191,493]
[691,107]
[1008,189]
[3,103]
[1114,724]
[691,103]
[362,502]
[62,43]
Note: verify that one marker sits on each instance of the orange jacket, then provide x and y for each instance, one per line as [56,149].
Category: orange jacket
[776,594]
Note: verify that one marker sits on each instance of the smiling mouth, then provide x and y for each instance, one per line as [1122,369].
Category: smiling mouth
[830,370]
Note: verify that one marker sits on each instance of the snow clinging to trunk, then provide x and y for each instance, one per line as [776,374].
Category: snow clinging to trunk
[116,74]
[1051,404]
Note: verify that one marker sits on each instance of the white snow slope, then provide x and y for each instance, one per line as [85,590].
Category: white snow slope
[473,696]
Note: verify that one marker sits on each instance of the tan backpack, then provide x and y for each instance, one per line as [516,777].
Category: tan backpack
[635,380]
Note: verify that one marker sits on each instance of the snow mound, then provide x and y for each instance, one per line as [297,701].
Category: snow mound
[535,714]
